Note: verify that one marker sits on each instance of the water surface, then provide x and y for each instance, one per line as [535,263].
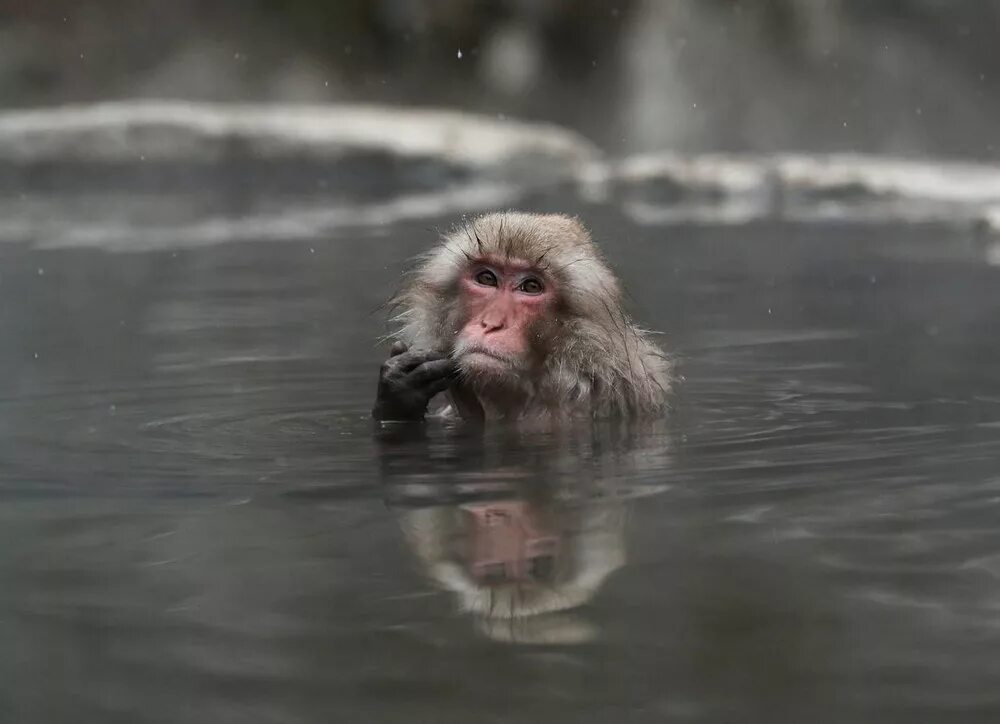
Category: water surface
[199,522]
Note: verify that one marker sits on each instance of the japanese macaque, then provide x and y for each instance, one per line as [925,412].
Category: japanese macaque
[517,316]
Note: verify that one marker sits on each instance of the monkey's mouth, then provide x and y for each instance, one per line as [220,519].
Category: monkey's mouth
[473,351]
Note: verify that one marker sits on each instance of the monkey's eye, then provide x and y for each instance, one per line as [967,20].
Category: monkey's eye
[486,278]
[532,286]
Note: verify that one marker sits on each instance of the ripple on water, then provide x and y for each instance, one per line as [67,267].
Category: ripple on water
[186,437]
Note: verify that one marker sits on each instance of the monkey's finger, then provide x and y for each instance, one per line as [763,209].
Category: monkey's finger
[412,359]
[398,347]
[433,371]
[438,386]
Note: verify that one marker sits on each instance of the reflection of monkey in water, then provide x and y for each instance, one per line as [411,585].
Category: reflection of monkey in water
[512,563]
[517,316]
[503,562]
[507,543]
[520,525]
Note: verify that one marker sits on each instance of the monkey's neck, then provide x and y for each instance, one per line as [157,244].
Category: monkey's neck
[476,403]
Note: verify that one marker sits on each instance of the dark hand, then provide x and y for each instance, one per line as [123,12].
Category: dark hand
[408,380]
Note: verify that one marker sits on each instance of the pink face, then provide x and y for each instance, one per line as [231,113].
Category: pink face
[502,303]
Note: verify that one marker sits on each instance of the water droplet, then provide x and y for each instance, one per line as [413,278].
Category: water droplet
[459,53]
[41,271]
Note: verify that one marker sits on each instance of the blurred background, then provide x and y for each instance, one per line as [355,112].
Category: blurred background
[903,77]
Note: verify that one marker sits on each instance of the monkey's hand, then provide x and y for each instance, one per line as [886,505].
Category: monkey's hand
[408,380]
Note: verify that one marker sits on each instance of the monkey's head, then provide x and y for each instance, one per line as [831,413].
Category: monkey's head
[532,315]
[509,559]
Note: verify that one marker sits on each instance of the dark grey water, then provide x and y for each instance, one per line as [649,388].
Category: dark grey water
[200,524]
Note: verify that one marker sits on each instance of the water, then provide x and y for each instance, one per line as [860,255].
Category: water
[199,522]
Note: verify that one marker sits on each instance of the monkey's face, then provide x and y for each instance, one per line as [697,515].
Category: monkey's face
[507,543]
[504,305]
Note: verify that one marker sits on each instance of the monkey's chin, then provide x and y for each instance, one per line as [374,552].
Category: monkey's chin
[481,365]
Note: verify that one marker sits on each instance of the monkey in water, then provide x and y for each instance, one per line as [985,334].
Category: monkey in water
[517,316]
